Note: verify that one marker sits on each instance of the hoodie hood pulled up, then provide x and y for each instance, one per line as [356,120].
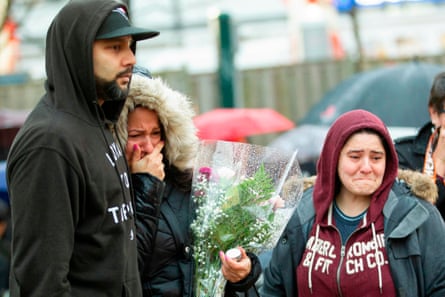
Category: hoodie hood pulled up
[175,113]
[325,245]
[70,83]
[326,184]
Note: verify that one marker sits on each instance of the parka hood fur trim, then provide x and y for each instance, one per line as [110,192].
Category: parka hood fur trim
[175,111]
[420,184]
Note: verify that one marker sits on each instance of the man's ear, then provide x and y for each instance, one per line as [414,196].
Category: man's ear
[434,115]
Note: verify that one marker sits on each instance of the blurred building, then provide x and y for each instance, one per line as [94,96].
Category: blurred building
[268,32]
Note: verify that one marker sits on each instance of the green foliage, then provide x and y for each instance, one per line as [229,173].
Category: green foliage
[229,214]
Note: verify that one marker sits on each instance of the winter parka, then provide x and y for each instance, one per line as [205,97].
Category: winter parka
[164,209]
[411,227]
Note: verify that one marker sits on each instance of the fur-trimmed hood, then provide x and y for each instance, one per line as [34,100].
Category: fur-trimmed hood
[175,112]
[420,184]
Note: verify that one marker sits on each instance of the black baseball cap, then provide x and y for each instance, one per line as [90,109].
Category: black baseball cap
[117,24]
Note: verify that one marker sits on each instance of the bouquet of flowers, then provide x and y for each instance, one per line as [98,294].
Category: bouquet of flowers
[245,195]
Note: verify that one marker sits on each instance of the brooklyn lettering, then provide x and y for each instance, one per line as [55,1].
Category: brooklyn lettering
[116,154]
[124,179]
[121,213]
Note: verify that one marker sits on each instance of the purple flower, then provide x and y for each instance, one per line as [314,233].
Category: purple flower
[205,173]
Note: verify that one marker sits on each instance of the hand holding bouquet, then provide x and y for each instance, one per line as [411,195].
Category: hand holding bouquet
[244,194]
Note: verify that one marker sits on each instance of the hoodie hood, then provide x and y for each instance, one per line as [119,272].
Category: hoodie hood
[175,113]
[420,184]
[327,182]
[70,81]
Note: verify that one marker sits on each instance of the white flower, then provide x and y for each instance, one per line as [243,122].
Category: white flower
[225,173]
[236,205]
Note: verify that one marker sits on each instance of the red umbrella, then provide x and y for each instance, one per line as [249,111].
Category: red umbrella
[233,124]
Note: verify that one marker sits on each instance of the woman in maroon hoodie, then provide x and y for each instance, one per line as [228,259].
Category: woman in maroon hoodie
[361,230]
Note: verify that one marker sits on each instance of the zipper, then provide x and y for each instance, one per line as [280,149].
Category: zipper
[342,256]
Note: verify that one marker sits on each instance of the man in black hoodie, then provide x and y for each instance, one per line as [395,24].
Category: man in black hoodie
[73,231]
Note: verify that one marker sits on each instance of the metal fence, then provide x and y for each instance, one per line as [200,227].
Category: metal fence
[290,89]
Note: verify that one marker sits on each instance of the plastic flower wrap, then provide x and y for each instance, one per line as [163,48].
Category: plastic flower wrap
[245,195]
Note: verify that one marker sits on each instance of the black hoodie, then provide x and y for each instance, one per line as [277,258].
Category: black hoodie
[72,211]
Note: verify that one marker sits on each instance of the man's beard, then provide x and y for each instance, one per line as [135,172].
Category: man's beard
[110,90]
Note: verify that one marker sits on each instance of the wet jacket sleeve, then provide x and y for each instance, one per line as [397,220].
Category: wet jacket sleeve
[245,287]
[432,235]
[414,230]
[44,215]
[419,265]
[279,275]
[148,192]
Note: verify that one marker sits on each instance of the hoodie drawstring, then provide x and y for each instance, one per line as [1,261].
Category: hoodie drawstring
[312,260]
[374,236]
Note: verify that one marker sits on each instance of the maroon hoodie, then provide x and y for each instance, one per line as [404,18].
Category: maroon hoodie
[360,268]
